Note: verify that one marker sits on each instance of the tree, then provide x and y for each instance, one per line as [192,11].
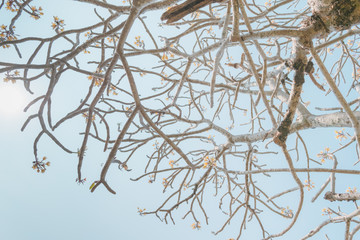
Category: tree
[218,99]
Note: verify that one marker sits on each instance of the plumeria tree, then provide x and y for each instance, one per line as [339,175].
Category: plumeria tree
[210,98]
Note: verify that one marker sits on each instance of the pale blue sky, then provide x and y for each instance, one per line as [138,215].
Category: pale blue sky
[53,206]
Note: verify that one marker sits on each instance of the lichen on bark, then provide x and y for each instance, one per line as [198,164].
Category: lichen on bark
[343,13]
[336,14]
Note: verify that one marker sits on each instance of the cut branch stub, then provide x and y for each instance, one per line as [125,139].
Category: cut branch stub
[342,196]
[309,69]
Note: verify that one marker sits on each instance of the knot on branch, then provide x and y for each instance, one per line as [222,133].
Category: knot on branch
[309,68]
[316,22]
[282,132]
[298,65]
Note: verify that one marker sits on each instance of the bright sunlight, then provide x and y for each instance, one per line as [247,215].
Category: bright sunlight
[12,100]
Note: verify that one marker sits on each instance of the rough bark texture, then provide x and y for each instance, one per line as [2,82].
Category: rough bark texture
[179,11]
[342,196]
[284,128]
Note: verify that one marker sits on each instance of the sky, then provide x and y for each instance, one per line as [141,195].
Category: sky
[53,206]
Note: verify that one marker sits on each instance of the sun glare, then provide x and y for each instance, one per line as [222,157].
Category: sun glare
[12,100]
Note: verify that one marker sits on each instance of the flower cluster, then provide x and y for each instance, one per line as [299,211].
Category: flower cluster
[268,4]
[40,166]
[82,181]
[88,34]
[209,162]
[164,76]
[165,182]
[326,211]
[164,57]
[210,30]
[7,35]
[349,190]
[138,42]
[58,24]
[141,211]
[215,12]
[11,76]
[340,135]
[197,63]
[196,225]
[325,155]
[36,12]
[97,80]
[195,15]
[230,127]
[86,116]
[151,178]
[330,50]
[309,185]
[172,163]
[111,90]
[124,166]
[156,145]
[287,211]
[12,6]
